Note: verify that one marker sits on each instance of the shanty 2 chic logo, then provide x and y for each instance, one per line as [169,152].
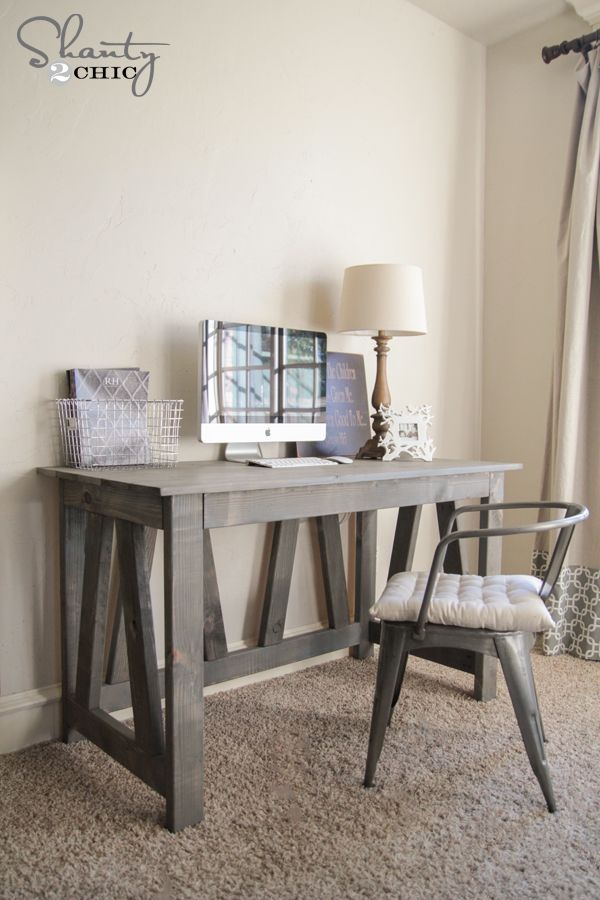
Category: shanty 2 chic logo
[48,39]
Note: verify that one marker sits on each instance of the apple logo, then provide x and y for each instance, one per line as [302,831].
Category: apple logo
[267,432]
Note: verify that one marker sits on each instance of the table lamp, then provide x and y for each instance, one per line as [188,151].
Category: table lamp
[382,301]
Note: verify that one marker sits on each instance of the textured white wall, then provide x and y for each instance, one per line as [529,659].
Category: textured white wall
[280,142]
[529,109]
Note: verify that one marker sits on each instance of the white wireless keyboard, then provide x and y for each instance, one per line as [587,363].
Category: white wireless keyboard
[292,463]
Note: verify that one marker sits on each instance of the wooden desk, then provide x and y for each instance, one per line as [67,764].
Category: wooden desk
[185,503]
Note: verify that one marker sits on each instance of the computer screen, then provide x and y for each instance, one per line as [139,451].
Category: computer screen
[261,383]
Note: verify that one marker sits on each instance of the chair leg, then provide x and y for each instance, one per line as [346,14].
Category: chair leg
[540,722]
[513,652]
[531,644]
[398,688]
[392,642]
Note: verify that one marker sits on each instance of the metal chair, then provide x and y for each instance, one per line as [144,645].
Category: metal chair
[494,615]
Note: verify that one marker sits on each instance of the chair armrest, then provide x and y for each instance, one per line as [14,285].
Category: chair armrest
[528,504]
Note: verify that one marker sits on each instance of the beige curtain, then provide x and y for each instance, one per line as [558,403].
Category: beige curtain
[572,465]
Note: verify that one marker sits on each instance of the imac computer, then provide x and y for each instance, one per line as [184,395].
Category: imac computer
[260,383]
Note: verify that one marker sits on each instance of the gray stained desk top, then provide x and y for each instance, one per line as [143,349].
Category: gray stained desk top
[213,477]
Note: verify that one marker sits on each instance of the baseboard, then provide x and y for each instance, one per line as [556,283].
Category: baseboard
[31,717]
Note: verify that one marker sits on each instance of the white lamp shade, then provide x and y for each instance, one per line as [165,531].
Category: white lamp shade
[383,297]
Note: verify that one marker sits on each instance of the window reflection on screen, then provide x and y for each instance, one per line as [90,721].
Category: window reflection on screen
[259,374]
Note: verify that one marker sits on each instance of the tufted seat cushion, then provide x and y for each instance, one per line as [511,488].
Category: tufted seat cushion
[496,602]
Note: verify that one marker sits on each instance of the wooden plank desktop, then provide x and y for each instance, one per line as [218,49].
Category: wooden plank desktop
[214,476]
[186,502]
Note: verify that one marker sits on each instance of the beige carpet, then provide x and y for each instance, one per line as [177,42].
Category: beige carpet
[457,812]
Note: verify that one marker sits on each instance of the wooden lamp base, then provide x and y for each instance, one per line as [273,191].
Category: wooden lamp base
[373,448]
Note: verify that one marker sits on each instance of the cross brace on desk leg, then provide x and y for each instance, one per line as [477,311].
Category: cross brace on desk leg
[279,580]
[139,631]
[279,577]
[94,600]
[215,642]
[332,568]
[116,664]
[405,539]
[454,560]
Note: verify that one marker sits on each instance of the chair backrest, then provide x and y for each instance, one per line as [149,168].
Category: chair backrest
[573,515]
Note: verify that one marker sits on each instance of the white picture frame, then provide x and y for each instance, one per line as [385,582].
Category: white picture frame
[408,432]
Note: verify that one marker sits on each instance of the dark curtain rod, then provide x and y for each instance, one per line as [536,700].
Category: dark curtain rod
[577,45]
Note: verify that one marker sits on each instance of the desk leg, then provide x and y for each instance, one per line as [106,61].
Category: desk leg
[184,663]
[364,582]
[490,558]
[72,560]
[490,549]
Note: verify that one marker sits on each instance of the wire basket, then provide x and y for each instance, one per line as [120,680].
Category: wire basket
[97,433]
